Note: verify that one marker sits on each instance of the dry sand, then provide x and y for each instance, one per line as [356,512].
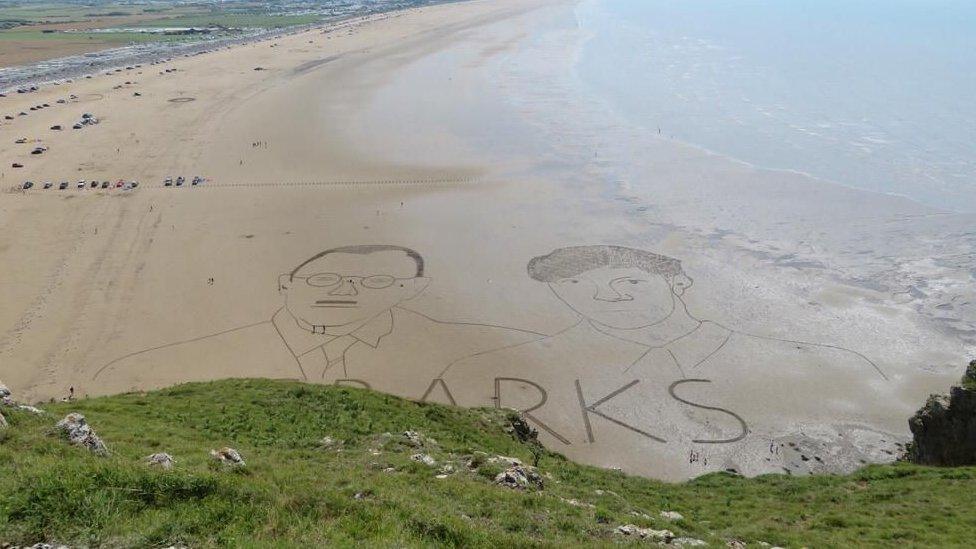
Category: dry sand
[362,135]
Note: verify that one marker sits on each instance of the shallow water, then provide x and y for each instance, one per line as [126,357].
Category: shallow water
[874,95]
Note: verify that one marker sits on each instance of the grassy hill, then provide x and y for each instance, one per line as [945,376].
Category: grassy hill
[295,490]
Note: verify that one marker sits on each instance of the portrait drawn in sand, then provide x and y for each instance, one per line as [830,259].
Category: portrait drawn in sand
[341,322]
[640,383]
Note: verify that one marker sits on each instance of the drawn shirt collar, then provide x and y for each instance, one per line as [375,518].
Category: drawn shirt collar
[689,350]
[300,341]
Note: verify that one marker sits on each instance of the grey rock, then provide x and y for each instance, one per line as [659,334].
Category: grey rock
[506,461]
[519,477]
[632,530]
[30,409]
[577,503]
[426,459]
[672,515]
[688,542]
[3,422]
[329,443]
[76,429]
[417,440]
[447,469]
[161,460]
[228,457]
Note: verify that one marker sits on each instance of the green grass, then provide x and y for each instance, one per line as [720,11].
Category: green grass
[63,12]
[295,493]
[102,37]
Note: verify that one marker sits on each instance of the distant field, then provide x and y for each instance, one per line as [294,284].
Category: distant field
[23,46]
[27,35]
[23,39]
[60,13]
[236,20]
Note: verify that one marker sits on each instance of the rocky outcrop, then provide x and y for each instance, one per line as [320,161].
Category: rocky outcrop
[944,430]
[78,432]
[35,546]
[5,399]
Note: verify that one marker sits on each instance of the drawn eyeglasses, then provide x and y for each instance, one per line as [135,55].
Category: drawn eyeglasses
[324,280]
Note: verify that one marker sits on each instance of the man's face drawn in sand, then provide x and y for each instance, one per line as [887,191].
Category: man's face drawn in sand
[622,288]
[619,298]
[348,286]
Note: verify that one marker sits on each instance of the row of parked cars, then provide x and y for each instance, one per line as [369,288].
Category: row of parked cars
[83,184]
[179,181]
[38,107]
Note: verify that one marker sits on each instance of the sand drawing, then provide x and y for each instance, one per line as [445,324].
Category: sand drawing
[638,379]
[341,322]
[640,382]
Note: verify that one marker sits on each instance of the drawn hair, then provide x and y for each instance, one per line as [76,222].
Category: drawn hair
[568,262]
[366,249]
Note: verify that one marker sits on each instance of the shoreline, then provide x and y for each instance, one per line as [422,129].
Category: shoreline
[113,58]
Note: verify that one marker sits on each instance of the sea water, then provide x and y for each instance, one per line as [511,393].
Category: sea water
[874,94]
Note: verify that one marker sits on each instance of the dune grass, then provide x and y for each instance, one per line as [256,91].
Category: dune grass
[294,491]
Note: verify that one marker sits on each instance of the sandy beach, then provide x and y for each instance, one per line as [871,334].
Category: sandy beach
[793,326]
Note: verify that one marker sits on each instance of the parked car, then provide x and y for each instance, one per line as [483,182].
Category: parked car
[48,184]
[21,140]
[105,184]
[16,165]
[94,184]
[63,185]
[27,185]
[81,184]
[57,127]
[179,181]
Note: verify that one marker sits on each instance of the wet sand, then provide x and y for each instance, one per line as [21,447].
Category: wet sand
[398,130]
